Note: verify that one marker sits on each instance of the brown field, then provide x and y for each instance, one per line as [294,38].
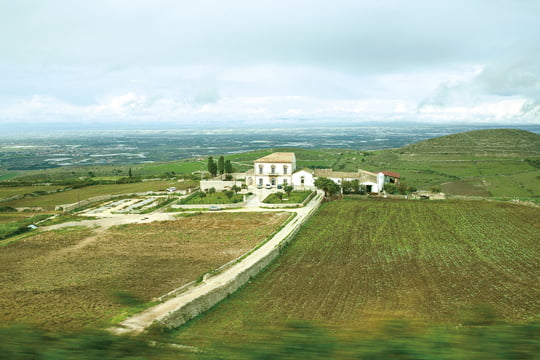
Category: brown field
[68,278]
[359,262]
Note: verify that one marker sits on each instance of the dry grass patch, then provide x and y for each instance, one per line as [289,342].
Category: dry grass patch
[69,278]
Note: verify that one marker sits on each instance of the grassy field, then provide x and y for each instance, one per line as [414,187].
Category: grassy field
[296,197]
[48,202]
[79,277]
[358,262]
[213,198]
[8,191]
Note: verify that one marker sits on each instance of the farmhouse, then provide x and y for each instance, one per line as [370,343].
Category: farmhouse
[279,168]
[274,169]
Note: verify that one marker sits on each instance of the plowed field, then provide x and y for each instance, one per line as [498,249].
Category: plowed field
[69,278]
[358,262]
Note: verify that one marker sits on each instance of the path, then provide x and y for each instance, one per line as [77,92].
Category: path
[208,288]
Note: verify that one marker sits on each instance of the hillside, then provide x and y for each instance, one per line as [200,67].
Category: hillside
[491,163]
[427,261]
[492,142]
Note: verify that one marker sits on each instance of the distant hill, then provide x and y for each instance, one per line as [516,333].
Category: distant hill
[498,142]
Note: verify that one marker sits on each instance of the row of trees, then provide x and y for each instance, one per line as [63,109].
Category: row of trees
[220,166]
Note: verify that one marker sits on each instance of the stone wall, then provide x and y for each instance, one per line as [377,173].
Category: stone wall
[207,300]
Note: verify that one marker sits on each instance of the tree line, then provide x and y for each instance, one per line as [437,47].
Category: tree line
[220,166]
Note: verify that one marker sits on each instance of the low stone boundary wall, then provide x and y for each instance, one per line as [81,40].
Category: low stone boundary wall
[78,204]
[202,297]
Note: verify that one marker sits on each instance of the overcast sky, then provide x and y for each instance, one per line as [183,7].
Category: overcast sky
[187,62]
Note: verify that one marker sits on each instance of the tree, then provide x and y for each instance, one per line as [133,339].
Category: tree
[229,194]
[130,175]
[221,165]
[328,186]
[202,194]
[211,190]
[228,167]
[288,189]
[279,195]
[350,187]
[212,166]
[236,189]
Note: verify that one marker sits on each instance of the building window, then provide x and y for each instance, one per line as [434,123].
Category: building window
[285,182]
[285,169]
[260,169]
[273,181]
[302,180]
[260,181]
[273,169]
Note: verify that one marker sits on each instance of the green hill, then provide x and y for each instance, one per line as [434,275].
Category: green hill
[493,142]
[493,163]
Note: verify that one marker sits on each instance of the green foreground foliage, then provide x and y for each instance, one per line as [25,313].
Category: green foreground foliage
[395,340]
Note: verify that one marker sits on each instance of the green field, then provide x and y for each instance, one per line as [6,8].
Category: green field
[213,198]
[359,262]
[296,197]
[48,202]
[9,191]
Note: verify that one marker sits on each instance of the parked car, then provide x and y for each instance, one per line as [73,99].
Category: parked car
[268,186]
[279,187]
[259,186]
[214,208]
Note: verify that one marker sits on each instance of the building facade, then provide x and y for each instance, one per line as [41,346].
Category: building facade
[274,169]
[280,169]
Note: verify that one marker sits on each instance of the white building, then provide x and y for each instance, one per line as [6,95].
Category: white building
[280,169]
[274,169]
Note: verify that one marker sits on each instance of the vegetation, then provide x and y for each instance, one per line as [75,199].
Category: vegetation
[19,226]
[72,278]
[295,197]
[212,167]
[327,185]
[298,340]
[359,262]
[212,197]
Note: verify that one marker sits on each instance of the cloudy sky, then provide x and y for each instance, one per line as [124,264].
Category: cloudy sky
[182,62]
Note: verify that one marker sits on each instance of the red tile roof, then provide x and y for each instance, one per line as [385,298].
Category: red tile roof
[391,174]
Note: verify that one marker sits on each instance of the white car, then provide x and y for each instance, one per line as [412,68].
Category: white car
[268,186]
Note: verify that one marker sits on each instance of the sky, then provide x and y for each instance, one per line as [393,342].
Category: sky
[246,63]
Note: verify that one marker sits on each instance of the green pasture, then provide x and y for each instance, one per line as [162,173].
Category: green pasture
[296,197]
[359,262]
[9,191]
[213,198]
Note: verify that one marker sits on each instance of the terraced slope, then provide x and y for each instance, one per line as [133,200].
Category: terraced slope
[492,142]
